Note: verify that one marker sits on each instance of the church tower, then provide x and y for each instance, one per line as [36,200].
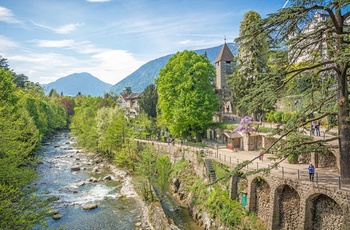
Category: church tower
[224,64]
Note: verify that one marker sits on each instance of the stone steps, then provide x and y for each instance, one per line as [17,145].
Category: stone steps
[210,169]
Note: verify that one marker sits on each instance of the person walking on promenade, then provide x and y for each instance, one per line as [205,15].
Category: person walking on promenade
[311,169]
[317,128]
[261,155]
[312,129]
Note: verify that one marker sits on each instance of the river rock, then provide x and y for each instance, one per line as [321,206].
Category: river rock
[93,179]
[89,206]
[57,216]
[75,168]
[109,177]
[95,169]
[53,212]
[80,184]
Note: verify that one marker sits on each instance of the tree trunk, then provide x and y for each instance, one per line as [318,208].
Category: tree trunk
[343,124]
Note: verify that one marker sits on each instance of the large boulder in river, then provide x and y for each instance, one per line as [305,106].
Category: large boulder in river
[89,206]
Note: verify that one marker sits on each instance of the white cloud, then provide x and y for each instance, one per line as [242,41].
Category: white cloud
[65,29]
[185,42]
[113,65]
[109,65]
[54,43]
[6,15]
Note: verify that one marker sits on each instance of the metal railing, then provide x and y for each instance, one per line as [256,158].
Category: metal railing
[324,179]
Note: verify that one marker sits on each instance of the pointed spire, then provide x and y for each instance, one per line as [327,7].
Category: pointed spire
[225,54]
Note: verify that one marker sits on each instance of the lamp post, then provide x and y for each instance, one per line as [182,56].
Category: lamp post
[217,137]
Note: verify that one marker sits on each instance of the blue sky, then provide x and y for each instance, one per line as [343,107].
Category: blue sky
[49,39]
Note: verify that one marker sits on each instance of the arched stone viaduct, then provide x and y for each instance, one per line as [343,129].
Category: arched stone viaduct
[291,204]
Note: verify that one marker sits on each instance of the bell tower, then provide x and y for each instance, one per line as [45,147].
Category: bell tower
[224,64]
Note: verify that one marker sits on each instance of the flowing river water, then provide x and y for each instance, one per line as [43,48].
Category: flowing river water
[74,189]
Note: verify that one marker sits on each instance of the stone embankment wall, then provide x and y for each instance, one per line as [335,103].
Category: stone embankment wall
[283,203]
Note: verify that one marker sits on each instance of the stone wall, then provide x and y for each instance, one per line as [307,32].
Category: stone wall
[299,205]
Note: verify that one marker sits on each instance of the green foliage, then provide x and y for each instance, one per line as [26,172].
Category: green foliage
[164,169]
[127,156]
[148,101]
[230,212]
[278,117]
[263,129]
[143,126]
[253,82]
[221,170]
[26,114]
[180,165]
[286,117]
[111,128]
[270,116]
[187,100]
[20,210]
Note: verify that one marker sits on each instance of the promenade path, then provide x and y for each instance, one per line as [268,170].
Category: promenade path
[325,177]
[328,177]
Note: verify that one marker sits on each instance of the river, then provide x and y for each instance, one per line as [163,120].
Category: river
[74,189]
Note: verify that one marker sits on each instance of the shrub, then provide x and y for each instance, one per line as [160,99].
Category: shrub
[270,116]
[286,117]
[278,116]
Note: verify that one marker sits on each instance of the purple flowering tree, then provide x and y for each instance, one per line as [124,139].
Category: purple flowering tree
[246,125]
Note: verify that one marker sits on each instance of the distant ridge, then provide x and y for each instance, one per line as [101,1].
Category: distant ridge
[84,83]
[146,74]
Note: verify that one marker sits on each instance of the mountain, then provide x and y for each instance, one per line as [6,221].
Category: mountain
[146,74]
[84,83]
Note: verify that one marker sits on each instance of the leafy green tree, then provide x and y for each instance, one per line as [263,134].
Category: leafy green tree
[112,129]
[252,82]
[20,79]
[187,101]
[148,101]
[83,126]
[164,169]
[109,99]
[145,168]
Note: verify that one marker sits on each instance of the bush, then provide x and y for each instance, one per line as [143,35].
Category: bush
[270,116]
[286,117]
[278,117]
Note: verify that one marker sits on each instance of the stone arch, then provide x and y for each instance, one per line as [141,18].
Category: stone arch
[286,212]
[260,197]
[323,212]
